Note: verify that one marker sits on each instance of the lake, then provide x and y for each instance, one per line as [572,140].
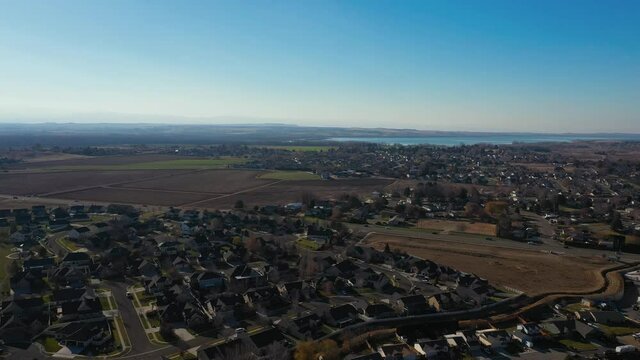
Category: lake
[496,139]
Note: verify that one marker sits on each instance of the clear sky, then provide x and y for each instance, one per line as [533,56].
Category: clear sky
[550,66]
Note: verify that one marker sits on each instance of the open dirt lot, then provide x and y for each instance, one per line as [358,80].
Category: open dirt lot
[282,192]
[533,272]
[459,226]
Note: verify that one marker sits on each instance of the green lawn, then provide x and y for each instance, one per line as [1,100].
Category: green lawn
[125,339]
[578,345]
[68,244]
[104,302]
[289,175]
[618,330]
[144,298]
[154,320]
[179,164]
[300,148]
[96,218]
[304,242]
[50,345]
[5,249]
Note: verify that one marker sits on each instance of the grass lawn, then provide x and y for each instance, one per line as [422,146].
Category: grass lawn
[618,330]
[50,344]
[154,320]
[578,345]
[96,218]
[123,337]
[145,323]
[117,336]
[301,148]
[178,164]
[575,307]
[5,249]
[68,244]
[104,302]
[289,175]
[144,298]
[304,242]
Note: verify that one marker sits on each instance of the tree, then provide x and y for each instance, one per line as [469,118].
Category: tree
[42,252]
[239,204]
[387,249]
[310,350]
[503,228]
[276,351]
[616,221]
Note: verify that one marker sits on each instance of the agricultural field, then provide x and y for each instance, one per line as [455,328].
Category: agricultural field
[44,183]
[167,180]
[177,164]
[291,191]
[69,161]
[209,181]
[289,175]
[449,226]
[133,196]
[530,271]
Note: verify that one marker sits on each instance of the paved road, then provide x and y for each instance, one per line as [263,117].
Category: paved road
[139,341]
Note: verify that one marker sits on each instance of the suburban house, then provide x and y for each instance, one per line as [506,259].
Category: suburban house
[433,349]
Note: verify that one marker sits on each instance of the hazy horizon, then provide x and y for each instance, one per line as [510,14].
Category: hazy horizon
[500,66]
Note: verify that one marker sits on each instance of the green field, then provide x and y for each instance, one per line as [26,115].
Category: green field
[178,164]
[289,175]
[301,148]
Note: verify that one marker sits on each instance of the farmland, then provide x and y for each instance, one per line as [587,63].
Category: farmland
[533,272]
[165,180]
[177,164]
[289,175]
[43,183]
[209,181]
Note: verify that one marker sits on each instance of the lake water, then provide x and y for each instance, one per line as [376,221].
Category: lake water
[496,139]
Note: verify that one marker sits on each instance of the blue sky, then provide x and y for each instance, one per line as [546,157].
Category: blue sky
[549,66]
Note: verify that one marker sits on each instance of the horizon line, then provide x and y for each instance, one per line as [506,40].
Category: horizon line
[258,124]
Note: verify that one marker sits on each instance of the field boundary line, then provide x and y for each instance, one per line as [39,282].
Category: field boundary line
[232,194]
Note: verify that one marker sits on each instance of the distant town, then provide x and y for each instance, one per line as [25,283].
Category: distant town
[321,250]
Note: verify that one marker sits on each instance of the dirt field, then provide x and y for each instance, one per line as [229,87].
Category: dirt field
[130,196]
[532,272]
[193,188]
[50,182]
[211,181]
[458,226]
[283,192]
[96,161]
